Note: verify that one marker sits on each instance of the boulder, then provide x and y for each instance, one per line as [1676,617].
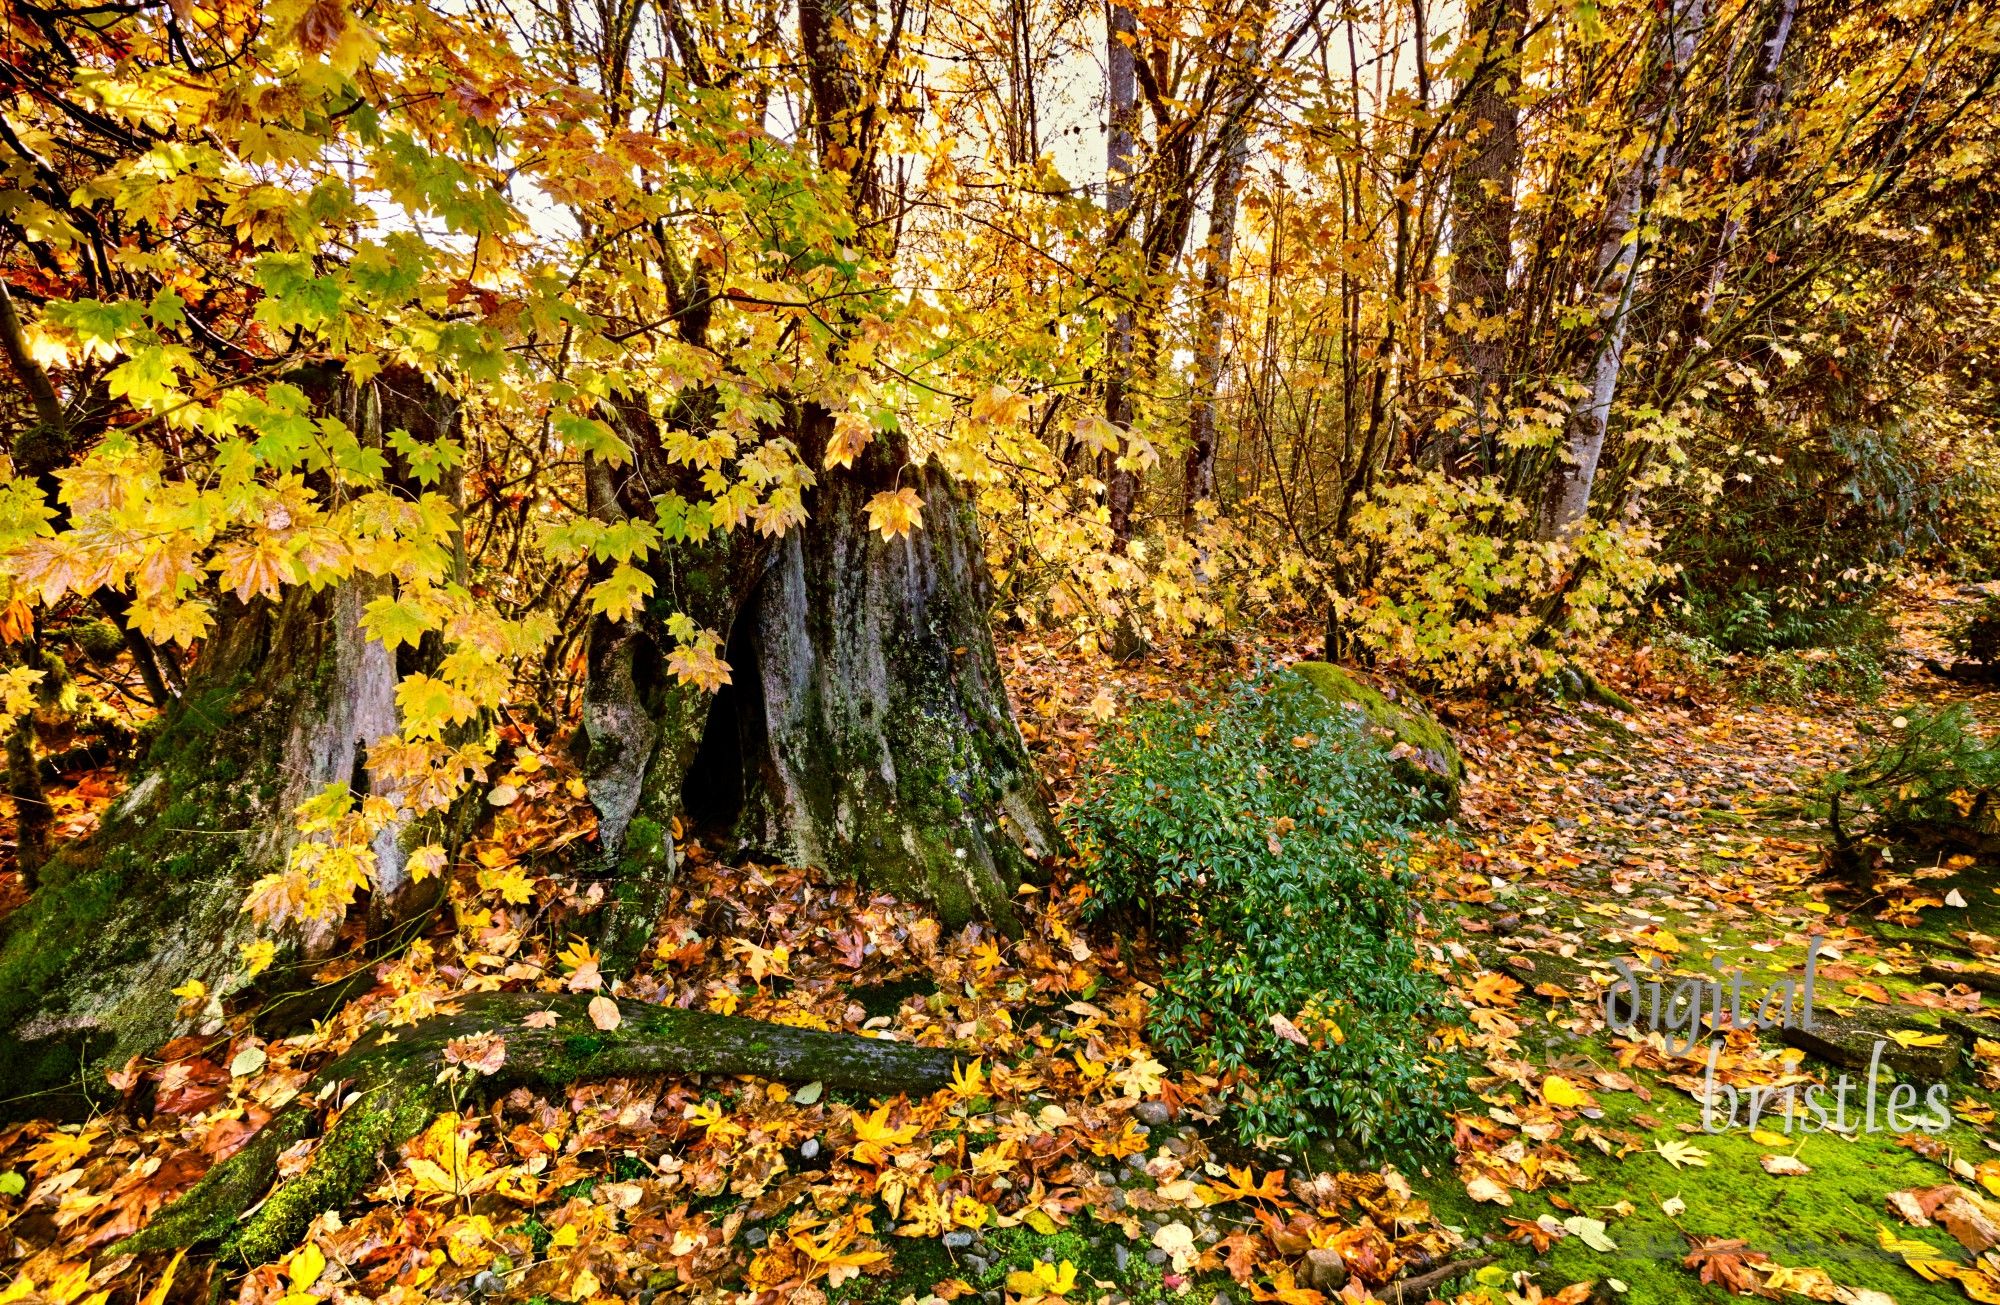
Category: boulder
[1419,749]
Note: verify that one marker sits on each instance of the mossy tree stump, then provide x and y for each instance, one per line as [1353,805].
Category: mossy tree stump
[866,729]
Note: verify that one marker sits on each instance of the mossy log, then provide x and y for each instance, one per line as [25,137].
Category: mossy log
[394,1078]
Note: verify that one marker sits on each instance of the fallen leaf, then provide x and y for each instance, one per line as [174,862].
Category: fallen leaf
[604,1013]
[1559,1091]
[1783,1166]
[1678,1153]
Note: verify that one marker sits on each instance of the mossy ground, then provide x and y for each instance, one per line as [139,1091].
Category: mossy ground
[1736,883]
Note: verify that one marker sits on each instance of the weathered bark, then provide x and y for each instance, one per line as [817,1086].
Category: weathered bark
[284,699]
[876,736]
[1762,111]
[1482,222]
[1566,499]
[399,1094]
[1221,247]
[866,729]
[1121,163]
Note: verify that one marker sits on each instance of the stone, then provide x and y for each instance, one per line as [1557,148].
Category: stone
[1325,1270]
[810,1148]
[488,1283]
[1121,1255]
[1156,1256]
[1973,974]
[1423,754]
[1220,1298]
[1849,1041]
[1153,1113]
[757,1236]
[957,1240]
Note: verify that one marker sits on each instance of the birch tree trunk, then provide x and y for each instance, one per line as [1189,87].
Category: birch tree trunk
[1121,162]
[1566,500]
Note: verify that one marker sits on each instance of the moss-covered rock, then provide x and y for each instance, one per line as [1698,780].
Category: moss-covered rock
[1422,753]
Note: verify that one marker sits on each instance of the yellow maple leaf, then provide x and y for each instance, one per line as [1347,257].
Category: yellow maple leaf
[60,1151]
[896,513]
[1142,1078]
[1559,1091]
[1043,1281]
[874,1135]
[1911,1038]
[851,434]
[968,1081]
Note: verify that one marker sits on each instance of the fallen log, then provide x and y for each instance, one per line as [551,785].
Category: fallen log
[391,1077]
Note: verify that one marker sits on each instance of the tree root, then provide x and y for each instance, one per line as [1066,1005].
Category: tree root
[395,1074]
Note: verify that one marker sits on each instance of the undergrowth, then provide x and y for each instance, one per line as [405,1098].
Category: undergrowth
[1263,833]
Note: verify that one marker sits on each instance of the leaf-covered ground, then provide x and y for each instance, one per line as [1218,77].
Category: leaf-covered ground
[1069,1164]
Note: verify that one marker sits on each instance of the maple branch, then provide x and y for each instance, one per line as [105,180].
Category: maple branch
[393,1077]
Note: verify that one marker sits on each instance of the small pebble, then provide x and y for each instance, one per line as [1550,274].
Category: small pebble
[957,1240]
[1156,1256]
[757,1236]
[1121,1255]
[1221,1298]
[810,1149]
[1152,1113]
[487,1282]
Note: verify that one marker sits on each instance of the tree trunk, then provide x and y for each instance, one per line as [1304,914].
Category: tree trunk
[1214,308]
[400,1092]
[1567,498]
[1762,107]
[865,730]
[283,700]
[1121,162]
[875,734]
[1482,223]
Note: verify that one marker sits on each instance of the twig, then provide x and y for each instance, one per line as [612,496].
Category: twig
[1425,1281]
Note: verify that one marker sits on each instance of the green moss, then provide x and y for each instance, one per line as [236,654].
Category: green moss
[1827,1219]
[346,1161]
[1437,767]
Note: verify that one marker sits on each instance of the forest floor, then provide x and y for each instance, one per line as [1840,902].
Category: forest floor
[1069,1164]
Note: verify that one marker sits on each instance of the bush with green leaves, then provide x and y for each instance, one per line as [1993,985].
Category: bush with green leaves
[1263,835]
[1928,776]
[1976,635]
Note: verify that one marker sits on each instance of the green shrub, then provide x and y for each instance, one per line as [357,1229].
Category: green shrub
[1265,836]
[1791,676]
[1976,636]
[1928,776]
